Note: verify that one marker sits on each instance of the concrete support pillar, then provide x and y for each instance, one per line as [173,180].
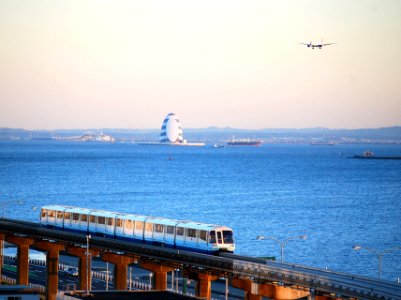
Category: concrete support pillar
[22,257]
[121,263]
[159,279]
[203,287]
[52,257]
[84,265]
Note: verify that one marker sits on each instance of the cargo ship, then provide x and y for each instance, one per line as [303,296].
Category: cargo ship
[371,155]
[244,142]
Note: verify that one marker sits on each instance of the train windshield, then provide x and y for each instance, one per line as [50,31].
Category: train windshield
[228,237]
[221,237]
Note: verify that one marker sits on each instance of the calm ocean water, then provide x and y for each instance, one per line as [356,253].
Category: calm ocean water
[272,190]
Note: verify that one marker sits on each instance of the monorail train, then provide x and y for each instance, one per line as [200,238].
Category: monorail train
[185,235]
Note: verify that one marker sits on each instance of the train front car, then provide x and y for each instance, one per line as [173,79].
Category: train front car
[204,238]
[221,239]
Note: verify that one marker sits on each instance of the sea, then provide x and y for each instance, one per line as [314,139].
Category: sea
[279,191]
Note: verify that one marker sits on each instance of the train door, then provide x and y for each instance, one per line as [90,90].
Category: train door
[84,222]
[158,234]
[148,233]
[59,219]
[43,216]
[202,240]
[67,220]
[190,238]
[139,230]
[110,227]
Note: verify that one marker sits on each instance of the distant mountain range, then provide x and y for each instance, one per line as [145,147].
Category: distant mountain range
[213,134]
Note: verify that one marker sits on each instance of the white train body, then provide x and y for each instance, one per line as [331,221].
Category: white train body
[185,235]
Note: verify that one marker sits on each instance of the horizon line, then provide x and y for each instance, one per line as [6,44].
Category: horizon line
[203,128]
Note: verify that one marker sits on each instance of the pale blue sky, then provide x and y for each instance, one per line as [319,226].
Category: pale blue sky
[126,64]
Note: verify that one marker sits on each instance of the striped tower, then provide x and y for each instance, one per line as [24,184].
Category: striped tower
[171,131]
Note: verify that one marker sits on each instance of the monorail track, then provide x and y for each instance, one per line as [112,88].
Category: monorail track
[319,279]
[259,270]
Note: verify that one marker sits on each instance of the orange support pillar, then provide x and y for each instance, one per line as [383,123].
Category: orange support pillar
[160,274]
[250,288]
[278,292]
[204,285]
[83,266]
[121,263]
[22,257]
[52,256]
[2,238]
[257,290]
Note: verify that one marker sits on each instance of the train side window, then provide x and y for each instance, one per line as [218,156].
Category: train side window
[170,229]
[212,237]
[110,221]
[129,224]
[44,213]
[59,214]
[75,217]
[138,225]
[159,228]
[203,235]
[84,218]
[180,231]
[119,223]
[191,233]
[51,214]
[149,227]
[67,216]
[92,219]
[101,220]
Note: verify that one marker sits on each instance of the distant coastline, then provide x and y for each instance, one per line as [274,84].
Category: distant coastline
[211,135]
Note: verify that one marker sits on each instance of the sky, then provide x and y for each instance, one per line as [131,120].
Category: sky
[127,64]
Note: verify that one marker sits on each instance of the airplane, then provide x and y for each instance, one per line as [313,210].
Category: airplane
[313,46]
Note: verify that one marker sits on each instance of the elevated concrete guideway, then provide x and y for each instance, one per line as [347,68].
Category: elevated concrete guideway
[258,278]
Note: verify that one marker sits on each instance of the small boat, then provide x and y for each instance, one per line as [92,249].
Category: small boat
[371,155]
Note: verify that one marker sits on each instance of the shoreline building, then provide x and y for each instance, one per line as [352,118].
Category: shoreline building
[171,132]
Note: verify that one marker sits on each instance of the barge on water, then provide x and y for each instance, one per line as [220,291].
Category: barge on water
[243,142]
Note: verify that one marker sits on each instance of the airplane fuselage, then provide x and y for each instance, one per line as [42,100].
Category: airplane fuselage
[313,46]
